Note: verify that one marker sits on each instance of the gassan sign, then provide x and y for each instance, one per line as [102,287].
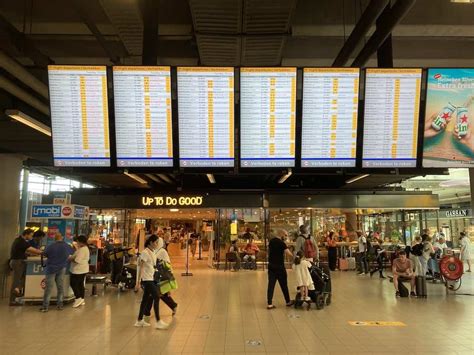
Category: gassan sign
[171,201]
[459,213]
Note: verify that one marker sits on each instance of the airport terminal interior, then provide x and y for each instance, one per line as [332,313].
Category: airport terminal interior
[236,176]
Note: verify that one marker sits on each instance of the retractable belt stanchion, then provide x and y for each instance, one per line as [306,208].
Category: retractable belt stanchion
[187,273]
[200,249]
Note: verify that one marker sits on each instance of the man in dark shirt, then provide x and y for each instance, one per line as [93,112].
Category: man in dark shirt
[276,268]
[18,253]
[57,254]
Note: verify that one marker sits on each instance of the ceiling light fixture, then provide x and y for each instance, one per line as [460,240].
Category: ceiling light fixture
[285,177]
[29,121]
[211,178]
[135,177]
[354,179]
[174,209]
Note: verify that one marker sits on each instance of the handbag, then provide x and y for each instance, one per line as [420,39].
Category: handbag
[164,270]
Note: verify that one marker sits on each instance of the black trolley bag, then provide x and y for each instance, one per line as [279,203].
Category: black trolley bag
[420,285]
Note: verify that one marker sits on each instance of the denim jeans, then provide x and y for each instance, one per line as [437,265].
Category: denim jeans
[59,279]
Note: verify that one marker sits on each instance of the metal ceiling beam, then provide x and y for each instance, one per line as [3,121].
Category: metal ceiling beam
[367,19]
[150,12]
[397,13]
[165,178]
[385,51]
[81,9]
[22,44]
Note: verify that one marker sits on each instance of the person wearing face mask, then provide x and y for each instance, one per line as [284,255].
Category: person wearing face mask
[146,274]
[165,286]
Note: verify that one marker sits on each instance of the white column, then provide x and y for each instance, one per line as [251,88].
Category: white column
[10,170]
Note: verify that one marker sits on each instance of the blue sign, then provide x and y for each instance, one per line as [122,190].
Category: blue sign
[79,211]
[46,211]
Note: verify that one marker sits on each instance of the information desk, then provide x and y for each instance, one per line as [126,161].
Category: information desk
[79,115]
[35,283]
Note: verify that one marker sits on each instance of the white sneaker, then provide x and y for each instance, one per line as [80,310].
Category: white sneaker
[77,302]
[141,323]
[307,299]
[161,325]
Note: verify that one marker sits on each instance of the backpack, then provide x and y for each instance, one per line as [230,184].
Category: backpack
[308,248]
[417,249]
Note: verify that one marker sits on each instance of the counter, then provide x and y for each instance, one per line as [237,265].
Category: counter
[35,283]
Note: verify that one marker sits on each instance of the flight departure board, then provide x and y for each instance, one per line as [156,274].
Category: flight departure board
[267,117]
[206,116]
[391,115]
[143,126]
[79,115]
[330,104]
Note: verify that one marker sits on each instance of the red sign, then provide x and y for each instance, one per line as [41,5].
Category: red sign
[67,211]
[43,284]
[437,76]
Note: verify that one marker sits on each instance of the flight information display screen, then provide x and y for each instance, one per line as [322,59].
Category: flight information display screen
[79,115]
[448,137]
[267,117]
[391,115]
[330,106]
[206,116]
[143,126]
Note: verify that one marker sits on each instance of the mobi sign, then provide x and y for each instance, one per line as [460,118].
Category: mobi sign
[46,211]
[171,201]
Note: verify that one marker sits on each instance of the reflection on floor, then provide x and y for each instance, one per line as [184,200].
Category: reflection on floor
[224,312]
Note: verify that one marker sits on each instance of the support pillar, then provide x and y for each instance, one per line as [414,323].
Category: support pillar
[24,199]
[10,169]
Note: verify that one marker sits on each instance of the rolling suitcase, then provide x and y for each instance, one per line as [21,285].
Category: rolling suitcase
[420,283]
[343,264]
[351,263]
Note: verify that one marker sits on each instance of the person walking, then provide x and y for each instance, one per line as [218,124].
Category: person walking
[79,269]
[165,286]
[58,255]
[277,249]
[362,243]
[146,274]
[18,253]
[332,250]
[465,250]
[307,244]
[379,257]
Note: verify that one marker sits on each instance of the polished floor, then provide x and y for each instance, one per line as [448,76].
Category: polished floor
[224,312]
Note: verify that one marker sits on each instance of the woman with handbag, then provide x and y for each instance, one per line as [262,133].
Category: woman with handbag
[167,280]
[149,277]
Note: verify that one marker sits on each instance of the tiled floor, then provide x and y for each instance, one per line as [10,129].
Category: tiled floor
[219,311]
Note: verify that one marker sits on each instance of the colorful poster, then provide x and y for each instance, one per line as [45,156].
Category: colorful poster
[449,141]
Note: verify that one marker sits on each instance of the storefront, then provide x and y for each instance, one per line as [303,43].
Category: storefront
[220,218]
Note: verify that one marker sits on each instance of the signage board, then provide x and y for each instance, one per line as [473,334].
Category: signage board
[456,213]
[59,211]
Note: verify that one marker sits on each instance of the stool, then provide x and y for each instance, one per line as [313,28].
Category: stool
[96,280]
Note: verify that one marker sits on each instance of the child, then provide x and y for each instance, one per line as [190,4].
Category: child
[303,277]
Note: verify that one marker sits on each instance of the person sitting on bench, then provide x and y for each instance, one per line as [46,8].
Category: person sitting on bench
[251,249]
[403,269]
